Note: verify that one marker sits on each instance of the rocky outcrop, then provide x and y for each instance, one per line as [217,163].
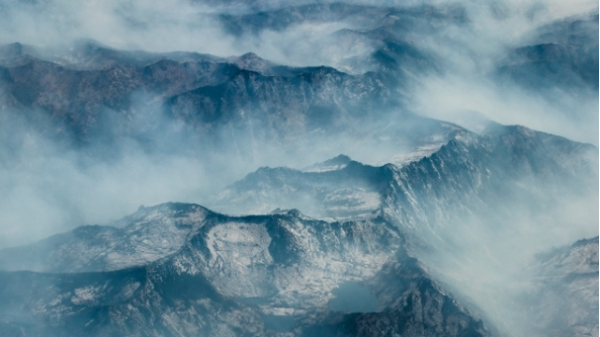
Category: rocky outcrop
[233,276]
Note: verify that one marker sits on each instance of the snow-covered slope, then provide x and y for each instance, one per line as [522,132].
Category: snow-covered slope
[475,211]
[432,254]
[143,237]
[230,276]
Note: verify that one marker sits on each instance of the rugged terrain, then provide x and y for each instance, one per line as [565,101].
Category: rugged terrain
[182,269]
[249,276]
[333,204]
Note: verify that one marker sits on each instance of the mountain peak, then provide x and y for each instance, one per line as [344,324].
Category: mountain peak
[11,50]
[341,159]
[333,164]
[250,56]
[290,212]
[251,61]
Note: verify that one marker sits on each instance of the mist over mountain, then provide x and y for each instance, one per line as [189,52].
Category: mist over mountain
[305,168]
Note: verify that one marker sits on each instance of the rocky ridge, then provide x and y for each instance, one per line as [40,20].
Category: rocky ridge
[231,276]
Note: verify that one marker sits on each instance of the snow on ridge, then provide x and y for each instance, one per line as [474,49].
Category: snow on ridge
[319,169]
[415,154]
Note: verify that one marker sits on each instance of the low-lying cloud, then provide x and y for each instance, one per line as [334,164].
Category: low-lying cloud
[47,186]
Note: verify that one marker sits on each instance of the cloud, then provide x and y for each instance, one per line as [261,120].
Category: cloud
[51,176]
[470,56]
[144,25]
[560,113]
[183,25]
[49,186]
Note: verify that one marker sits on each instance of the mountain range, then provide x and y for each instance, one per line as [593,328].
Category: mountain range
[181,269]
[350,177]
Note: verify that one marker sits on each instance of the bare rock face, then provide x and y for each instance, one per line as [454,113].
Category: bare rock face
[228,276]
